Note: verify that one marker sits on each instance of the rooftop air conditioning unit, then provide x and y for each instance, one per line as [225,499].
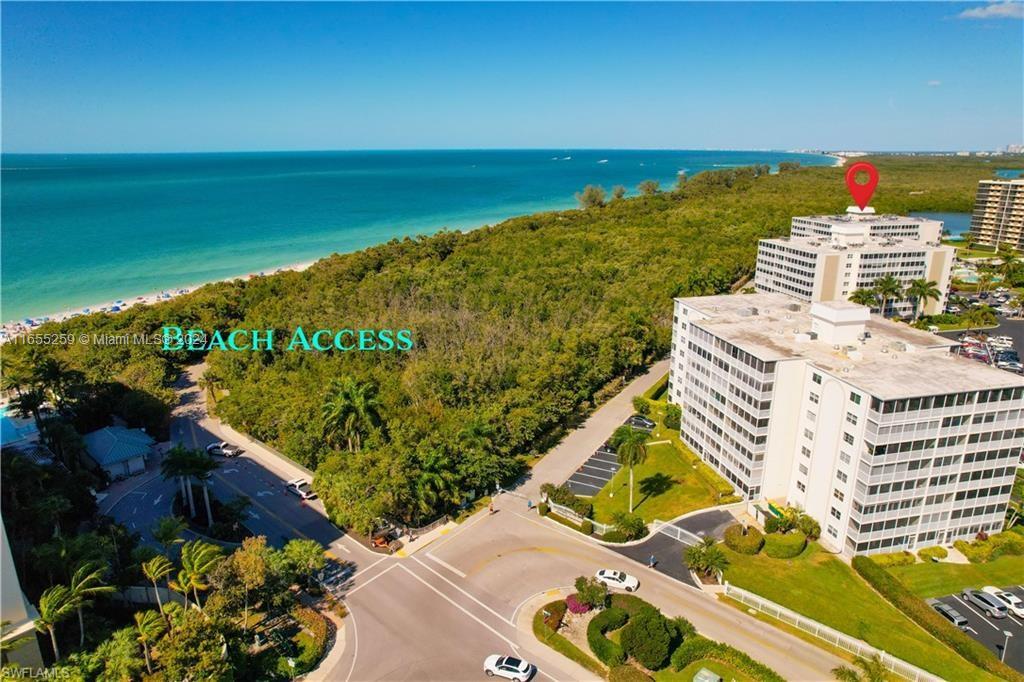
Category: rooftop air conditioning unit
[795,307]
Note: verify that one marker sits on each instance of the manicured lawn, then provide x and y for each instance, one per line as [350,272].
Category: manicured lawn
[686,674]
[666,485]
[937,580]
[822,587]
[671,482]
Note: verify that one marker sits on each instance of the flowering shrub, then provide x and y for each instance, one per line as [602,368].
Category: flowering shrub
[575,605]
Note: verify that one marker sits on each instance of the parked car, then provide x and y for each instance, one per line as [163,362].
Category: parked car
[606,448]
[224,449]
[951,614]
[617,579]
[953,309]
[508,667]
[1011,366]
[1014,604]
[301,488]
[992,606]
[638,421]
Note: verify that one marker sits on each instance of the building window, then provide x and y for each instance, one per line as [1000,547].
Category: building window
[852,418]
[844,457]
[814,398]
[841,476]
[811,415]
[848,438]
[803,469]
[838,494]
[833,532]
[855,397]
[805,451]
[816,378]
[800,486]
[836,513]
[808,434]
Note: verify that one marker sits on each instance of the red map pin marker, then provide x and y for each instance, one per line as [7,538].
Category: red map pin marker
[861,193]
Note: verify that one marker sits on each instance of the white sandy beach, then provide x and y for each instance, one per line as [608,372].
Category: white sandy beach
[13,329]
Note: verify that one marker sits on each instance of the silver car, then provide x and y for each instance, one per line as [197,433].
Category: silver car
[989,604]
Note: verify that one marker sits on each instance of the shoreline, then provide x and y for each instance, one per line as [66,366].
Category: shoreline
[12,329]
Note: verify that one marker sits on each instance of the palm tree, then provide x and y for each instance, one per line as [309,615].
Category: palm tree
[29,403]
[155,570]
[87,582]
[920,291]
[435,482]
[167,531]
[871,670]
[202,467]
[198,559]
[55,605]
[149,626]
[1010,260]
[182,584]
[888,288]
[350,412]
[177,463]
[868,297]
[706,558]
[984,281]
[631,448]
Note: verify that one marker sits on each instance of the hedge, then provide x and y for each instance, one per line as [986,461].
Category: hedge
[750,543]
[627,673]
[648,638]
[785,546]
[929,619]
[607,651]
[563,495]
[587,527]
[319,630]
[889,560]
[616,536]
[630,603]
[698,648]
[928,553]
[542,509]
[560,644]
[995,546]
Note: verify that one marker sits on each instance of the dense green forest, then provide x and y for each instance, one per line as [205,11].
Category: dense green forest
[518,328]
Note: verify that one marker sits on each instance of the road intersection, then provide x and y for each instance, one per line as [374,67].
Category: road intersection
[438,611]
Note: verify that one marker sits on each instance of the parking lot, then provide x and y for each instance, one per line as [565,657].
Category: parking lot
[594,473]
[989,631]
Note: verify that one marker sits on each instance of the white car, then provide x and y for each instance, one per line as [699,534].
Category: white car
[508,667]
[1014,604]
[300,487]
[617,579]
[224,449]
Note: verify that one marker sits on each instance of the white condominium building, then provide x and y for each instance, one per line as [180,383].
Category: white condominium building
[850,257]
[998,216]
[874,428]
[881,226]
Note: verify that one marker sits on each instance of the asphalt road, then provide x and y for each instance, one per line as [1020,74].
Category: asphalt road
[991,631]
[436,614]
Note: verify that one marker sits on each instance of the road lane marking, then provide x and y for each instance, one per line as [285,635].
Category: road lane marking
[355,641]
[459,606]
[983,618]
[496,614]
[446,565]
[157,500]
[370,580]
[268,511]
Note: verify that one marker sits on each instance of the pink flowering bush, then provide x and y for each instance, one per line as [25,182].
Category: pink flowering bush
[575,605]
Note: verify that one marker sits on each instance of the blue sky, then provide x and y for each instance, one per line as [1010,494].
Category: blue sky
[194,77]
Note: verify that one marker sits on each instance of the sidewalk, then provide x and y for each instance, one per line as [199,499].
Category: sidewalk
[540,652]
[565,458]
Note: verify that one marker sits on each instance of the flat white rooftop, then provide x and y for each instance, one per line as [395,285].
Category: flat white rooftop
[892,360]
[865,244]
[868,218]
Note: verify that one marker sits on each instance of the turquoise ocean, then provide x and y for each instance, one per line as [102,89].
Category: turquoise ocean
[79,230]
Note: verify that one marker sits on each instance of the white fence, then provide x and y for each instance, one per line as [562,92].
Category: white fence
[834,637]
[567,513]
[681,534]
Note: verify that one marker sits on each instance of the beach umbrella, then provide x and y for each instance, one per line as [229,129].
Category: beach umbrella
[86,310]
[28,321]
[115,309]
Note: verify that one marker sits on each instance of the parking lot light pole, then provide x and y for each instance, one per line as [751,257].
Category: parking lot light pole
[1006,643]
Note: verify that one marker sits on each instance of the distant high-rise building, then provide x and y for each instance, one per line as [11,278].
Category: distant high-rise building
[827,258]
[998,216]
